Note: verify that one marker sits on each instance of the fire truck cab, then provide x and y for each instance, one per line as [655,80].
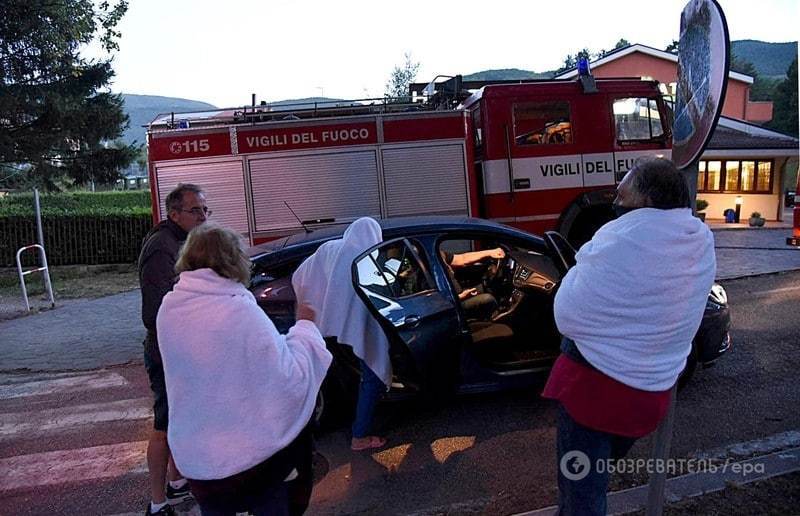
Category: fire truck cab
[538,155]
[549,154]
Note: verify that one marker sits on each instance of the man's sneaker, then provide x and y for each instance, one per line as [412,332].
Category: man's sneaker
[178,494]
[167,510]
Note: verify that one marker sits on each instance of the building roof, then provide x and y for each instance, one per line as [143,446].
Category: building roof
[732,134]
[644,49]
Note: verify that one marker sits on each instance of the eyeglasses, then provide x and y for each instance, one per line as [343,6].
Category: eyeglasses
[199,211]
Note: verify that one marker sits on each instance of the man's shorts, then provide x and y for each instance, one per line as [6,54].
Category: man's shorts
[155,370]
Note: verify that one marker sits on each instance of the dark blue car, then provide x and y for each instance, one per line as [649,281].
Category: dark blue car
[437,345]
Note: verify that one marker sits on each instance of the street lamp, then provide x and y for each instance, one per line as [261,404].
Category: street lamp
[738,207]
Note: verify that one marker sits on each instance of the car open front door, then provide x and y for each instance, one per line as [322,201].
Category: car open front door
[421,322]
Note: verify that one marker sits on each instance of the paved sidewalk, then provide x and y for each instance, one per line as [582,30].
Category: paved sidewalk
[83,334]
[93,333]
[754,251]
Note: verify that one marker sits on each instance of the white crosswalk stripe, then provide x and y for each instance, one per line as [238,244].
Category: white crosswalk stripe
[34,424]
[62,466]
[14,387]
[58,433]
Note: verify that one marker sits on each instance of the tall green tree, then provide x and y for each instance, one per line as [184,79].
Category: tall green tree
[784,114]
[401,76]
[571,61]
[56,117]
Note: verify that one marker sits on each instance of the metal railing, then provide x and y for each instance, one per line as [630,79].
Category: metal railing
[44,269]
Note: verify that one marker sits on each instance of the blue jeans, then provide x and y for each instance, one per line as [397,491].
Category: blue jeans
[369,392]
[585,495]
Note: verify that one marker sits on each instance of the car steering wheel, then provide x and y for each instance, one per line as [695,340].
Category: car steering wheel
[495,272]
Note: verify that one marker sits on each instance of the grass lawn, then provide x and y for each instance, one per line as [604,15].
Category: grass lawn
[69,282]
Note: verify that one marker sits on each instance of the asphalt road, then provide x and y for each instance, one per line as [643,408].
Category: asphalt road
[487,454]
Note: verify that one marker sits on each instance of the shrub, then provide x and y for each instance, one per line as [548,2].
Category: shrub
[130,202]
[701,204]
[755,215]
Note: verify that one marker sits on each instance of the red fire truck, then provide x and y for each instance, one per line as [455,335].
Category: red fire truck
[537,155]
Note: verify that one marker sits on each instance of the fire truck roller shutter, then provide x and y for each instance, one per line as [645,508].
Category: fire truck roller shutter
[429,180]
[223,182]
[341,186]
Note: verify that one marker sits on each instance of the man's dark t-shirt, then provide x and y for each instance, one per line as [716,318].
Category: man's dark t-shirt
[157,275]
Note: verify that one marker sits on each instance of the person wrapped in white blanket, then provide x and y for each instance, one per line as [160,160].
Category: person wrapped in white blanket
[241,395]
[324,280]
[628,311]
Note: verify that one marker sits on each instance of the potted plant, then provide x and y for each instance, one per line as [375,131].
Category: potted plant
[700,205]
[756,220]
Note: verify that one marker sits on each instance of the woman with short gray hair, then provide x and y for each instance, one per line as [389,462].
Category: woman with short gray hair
[240,394]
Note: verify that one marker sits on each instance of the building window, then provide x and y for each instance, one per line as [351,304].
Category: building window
[731,176]
[764,177]
[748,176]
[701,176]
[714,169]
[637,120]
[542,123]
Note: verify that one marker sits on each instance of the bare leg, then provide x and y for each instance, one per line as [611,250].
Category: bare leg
[157,458]
[172,470]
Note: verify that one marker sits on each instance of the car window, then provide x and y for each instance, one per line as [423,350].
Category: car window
[393,271]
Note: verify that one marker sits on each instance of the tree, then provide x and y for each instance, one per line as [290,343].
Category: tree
[622,43]
[401,77]
[784,114]
[56,119]
[672,47]
[571,61]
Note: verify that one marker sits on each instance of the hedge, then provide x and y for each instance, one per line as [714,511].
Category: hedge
[78,203]
[79,227]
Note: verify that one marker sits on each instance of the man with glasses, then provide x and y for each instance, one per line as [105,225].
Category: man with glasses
[186,209]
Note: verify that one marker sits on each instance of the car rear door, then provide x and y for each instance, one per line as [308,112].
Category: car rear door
[394,281]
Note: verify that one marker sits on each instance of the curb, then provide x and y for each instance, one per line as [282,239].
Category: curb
[697,484]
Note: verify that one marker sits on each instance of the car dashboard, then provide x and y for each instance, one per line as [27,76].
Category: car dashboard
[533,271]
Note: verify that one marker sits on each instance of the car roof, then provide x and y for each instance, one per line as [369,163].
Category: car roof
[391,228]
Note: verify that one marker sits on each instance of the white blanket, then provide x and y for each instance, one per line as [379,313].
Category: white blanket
[635,298]
[238,390]
[324,281]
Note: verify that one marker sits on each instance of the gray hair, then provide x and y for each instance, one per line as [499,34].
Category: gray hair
[174,200]
[660,184]
[211,246]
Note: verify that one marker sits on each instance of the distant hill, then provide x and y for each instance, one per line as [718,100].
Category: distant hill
[770,59]
[506,74]
[142,109]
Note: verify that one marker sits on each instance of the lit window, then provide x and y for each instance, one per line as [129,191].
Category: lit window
[714,168]
[748,175]
[764,176]
[732,176]
[701,176]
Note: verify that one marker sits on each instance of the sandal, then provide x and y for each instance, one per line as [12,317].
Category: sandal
[367,443]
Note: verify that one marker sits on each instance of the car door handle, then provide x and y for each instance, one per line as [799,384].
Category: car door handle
[411,321]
